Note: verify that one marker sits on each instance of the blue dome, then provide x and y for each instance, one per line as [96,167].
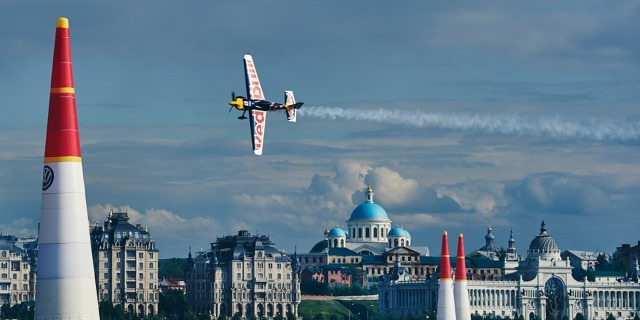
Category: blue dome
[369,210]
[337,232]
[398,232]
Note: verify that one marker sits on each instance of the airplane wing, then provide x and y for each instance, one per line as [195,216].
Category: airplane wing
[257,121]
[254,90]
[258,118]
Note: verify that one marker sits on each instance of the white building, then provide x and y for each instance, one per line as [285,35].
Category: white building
[17,279]
[541,285]
[125,261]
[243,275]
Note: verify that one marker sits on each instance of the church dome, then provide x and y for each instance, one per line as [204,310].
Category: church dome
[337,232]
[369,210]
[543,243]
[398,232]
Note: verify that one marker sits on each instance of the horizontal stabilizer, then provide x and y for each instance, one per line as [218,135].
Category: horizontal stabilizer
[290,103]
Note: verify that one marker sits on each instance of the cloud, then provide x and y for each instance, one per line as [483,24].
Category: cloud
[554,193]
[171,231]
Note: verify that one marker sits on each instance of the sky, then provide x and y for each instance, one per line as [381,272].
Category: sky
[460,115]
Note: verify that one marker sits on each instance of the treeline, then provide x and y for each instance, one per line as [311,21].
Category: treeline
[315,288]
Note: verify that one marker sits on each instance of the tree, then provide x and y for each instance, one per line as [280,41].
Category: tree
[611,317]
[171,268]
[172,304]
[602,263]
[579,316]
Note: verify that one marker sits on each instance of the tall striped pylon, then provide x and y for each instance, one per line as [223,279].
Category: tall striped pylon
[66,286]
[460,292]
[446,307]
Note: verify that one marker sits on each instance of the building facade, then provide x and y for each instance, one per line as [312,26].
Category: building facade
[243,275]
[542,285]
[125,260]
[17,270]
[369,246]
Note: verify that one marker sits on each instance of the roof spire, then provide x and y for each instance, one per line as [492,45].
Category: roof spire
[369,192]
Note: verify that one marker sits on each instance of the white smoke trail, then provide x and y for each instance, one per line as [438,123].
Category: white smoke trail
[596,129]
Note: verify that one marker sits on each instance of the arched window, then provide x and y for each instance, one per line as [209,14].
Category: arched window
[395,242]
[375,232]
[335,243]
[341,243]
[402,243]
[366,233]
[359,232]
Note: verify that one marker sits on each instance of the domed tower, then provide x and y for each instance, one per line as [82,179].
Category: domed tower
[369,222]
[489,240]
[399,237]
[543,246]
[512,244]
[337,237]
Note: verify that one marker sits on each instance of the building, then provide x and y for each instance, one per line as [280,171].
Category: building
[369,246]
[167,284]
[628,253]
[125,260]
[543,284]
[17,270]
[243,275]
[585,260]
[335,274]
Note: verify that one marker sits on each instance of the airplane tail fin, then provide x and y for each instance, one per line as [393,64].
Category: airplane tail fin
[290,103]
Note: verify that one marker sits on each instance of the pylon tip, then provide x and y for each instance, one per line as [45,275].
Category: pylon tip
[63,23]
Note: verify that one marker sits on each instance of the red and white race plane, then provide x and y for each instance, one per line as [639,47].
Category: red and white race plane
[258,106]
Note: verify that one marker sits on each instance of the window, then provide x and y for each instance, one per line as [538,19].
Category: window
[141,255]
[151,275]
[150,265]
[366,233]
[131,254]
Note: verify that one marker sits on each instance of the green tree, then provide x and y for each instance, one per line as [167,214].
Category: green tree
[171,268]
[603,263]
[611,317]
[579,316]
[172,304]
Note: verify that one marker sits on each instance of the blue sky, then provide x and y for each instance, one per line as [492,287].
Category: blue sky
[460,115]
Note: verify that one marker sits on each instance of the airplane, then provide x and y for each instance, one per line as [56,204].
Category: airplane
[258,106]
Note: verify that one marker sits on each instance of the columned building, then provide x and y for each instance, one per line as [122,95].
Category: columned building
[125,260]
[243,275]
[542,285]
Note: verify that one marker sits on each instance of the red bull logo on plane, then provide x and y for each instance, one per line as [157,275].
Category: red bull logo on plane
[255,90]
[258,128]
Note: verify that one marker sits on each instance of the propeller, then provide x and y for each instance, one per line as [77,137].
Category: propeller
[233,98]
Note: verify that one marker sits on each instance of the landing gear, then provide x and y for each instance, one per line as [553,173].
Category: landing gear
[242,117]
